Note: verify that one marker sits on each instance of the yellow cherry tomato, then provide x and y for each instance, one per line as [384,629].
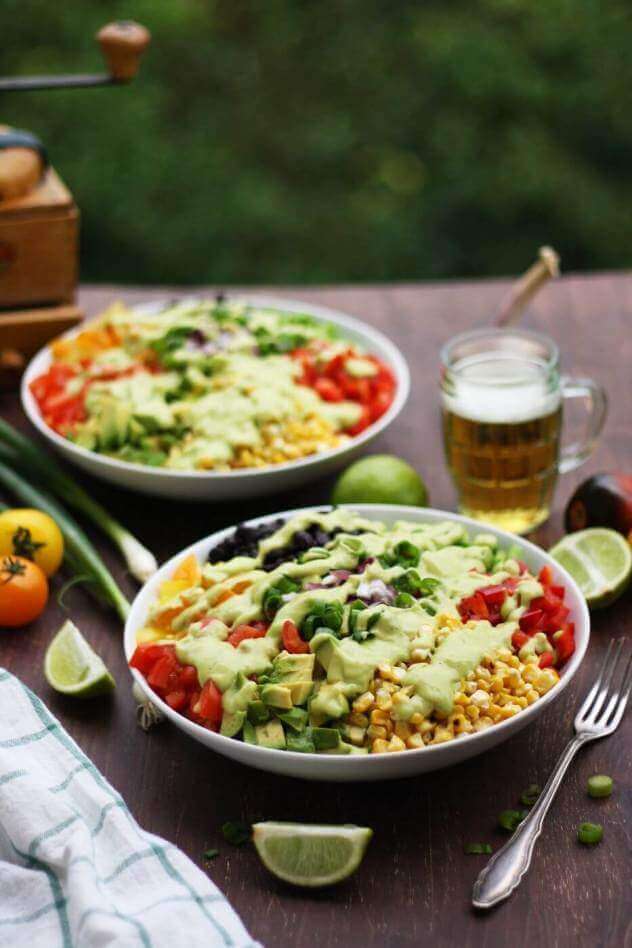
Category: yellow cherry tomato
[33,535]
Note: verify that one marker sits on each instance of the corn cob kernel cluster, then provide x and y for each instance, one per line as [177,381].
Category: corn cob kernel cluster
[499,688]
[288,441]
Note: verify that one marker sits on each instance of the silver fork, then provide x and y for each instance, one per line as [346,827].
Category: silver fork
[599,716]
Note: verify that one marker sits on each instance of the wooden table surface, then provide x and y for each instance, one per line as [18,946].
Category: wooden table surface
[415,883]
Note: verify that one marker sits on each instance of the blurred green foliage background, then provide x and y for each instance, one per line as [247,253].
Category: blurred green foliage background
[314,141]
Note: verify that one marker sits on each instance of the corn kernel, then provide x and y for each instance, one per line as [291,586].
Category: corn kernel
[480,698]
[360,720]
[396,744]
[379,716]
[379,746]
[441,735]
[402,730]
[364,702]
[414,742]
[376,731]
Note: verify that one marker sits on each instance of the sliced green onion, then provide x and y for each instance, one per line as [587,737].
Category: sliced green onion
[236,832]
[590,833]
[211,853]
[529,796]
[511,819]
[599,786]
[477,849]
[140,561]
[82,554]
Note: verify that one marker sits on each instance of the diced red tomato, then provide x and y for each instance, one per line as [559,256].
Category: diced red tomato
[546,613]
[493,595]
[473,607]
[363,422]
[518,639]
[564,644]
[176,699]
[334,383]
[159,676]
[145,656]
[209,706]
[546,660]
[328,390]
[246,632]
[530,621]
[292,641]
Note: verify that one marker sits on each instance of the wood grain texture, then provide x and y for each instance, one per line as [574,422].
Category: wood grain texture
[414,885]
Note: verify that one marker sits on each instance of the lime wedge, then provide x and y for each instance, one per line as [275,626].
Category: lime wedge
[600,562]
[73,668]
[308,854]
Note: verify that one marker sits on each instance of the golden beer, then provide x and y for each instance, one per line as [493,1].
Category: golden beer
[505,472]
[501,396]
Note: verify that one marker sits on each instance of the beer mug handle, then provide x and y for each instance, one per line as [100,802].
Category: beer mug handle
[596,402]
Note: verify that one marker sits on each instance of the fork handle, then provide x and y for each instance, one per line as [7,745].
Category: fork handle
[504,871]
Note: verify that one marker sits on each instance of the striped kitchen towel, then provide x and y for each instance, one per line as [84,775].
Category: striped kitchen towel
[75,867]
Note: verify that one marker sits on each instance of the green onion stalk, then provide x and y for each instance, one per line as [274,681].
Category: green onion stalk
[80,553]
[27,456]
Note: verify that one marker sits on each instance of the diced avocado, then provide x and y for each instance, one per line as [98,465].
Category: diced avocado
[300,691]
[135,431]
[287,667]
[232,723]
[278,696]
[295,718]
[250,735]
[342,748]
[360,368]
[271,735]
[357,750]
[325,738]
[301,743]
[239,695]
[258,712]
[113,424]
[329,703]
[86,439]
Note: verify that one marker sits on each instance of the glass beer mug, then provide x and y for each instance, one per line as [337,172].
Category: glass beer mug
[502,402]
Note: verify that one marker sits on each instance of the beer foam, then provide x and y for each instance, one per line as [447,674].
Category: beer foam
[498,388]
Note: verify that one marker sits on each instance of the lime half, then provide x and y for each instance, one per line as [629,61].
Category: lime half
[600,562]
[308,854]
[73,668]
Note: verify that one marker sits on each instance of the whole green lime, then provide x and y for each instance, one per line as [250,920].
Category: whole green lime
[380,479]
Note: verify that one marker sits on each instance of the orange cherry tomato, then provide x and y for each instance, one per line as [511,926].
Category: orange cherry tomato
[23,591]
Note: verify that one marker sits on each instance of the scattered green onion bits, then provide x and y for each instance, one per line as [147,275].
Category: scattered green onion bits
[599,785]
[529,796]
[477,849]
[236,833]
[590,833]
[510,819]
[211,853]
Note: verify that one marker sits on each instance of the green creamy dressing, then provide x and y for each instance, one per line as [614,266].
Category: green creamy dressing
[211,399]
[349,663]
[217,659]
[434,684]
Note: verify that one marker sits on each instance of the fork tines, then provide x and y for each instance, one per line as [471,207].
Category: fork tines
[606,701]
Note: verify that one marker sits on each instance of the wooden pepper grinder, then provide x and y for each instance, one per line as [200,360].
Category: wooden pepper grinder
[39,221]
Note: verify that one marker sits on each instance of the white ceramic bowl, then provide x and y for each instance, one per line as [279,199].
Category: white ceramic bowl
[222,485]
[378,766]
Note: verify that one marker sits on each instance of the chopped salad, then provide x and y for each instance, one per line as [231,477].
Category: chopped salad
[332,633]
[211,385]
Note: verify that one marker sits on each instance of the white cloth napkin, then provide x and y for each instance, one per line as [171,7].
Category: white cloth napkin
[75,867]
